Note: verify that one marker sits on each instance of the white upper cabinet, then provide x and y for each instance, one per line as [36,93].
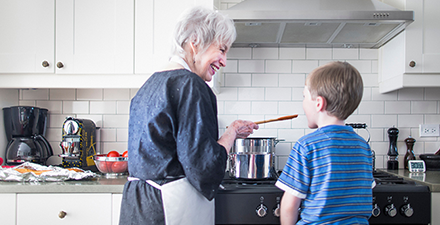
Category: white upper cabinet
[67,36]
[86,43]
[27,36]
[154,26]
[412,58]
[94,36]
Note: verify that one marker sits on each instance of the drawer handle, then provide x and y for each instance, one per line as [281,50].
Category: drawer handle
[62,214]
[45,64]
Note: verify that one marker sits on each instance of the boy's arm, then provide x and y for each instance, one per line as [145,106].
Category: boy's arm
[289,209]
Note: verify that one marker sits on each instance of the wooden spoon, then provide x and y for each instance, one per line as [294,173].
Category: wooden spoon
[277,119]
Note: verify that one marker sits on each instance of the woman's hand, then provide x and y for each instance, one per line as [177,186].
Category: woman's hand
[237,129]
[243,128]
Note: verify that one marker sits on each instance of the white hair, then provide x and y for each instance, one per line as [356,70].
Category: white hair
[203,27]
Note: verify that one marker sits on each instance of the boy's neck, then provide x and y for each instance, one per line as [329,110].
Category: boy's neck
[324,120]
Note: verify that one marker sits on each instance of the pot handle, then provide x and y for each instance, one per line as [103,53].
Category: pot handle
[278,140]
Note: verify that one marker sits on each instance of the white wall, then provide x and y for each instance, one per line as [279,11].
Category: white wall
[260,83]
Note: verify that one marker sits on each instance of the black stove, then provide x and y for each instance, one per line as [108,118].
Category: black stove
[248,201]
[395,201]
[399,201]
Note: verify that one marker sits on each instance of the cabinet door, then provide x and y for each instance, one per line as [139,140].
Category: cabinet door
[27,36]
[116,208]
[78,209]
[422,45]
[7,208]
[431,44]
[155,21]
[95,36]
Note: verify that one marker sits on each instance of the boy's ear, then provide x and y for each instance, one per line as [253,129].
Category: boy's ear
[320,103]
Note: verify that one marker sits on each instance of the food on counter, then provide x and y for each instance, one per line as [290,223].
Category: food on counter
[112,162]
[113,154]
[119,167]
[37,172]
[76,170]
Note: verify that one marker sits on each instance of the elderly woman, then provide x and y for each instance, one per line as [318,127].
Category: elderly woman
[176,160]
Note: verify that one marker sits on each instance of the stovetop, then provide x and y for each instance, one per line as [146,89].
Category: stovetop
[231,184]
[386,182]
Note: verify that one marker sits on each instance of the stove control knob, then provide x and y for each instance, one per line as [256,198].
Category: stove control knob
[407,211]
[391,210]
[261,210]
[276,211]
[376,210]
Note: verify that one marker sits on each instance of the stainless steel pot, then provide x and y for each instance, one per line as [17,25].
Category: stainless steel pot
[252,158]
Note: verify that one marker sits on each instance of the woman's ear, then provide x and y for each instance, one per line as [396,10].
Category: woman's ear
[193,47]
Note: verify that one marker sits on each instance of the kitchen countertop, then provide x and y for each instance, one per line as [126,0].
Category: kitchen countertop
[430,178]
[115,185]
[96,185]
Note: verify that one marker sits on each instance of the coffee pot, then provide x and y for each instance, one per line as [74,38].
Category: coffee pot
[25,128]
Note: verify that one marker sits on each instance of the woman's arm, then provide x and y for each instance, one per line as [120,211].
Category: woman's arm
[289,209]
[237,129]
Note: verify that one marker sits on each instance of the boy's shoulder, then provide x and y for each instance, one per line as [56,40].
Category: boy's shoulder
[319,132]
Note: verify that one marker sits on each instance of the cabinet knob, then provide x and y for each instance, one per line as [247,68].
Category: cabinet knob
[60,65]
[412,64]
[45,64]
[62,214]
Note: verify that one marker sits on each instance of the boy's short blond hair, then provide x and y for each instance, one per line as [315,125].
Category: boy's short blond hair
[340,84]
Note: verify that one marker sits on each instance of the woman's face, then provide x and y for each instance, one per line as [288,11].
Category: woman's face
[208,63]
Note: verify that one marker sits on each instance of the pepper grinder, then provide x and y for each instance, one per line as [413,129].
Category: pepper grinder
[393,154]
[409,151]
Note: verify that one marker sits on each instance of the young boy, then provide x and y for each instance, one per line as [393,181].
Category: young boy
[328,177]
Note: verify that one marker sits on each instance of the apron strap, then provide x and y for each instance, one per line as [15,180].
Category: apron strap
[154,184]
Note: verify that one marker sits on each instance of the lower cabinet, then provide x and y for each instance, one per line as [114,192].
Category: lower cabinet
[7,208]
[116,208]
[66,209]
[435,210]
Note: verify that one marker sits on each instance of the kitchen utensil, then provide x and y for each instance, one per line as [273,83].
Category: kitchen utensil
[432,161]
[252,158]
[277,119]
[393,154]
[111,166]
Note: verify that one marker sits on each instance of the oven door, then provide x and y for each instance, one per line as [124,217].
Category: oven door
[254,205]
[401,205]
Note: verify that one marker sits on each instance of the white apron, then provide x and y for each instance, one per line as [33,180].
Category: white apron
[184,205]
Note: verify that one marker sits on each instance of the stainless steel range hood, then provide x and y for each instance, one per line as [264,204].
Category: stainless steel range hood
[316,23]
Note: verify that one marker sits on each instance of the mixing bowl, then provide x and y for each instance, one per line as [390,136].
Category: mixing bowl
[111,166]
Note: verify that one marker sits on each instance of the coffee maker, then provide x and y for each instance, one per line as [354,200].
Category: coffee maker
[78,143]
[25,128]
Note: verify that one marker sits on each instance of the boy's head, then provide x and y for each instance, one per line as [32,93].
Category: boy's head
[340,84]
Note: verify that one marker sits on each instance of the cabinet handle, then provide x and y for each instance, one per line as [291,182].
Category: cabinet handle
[412,64]
[62,214]
[60,65]
[45,64]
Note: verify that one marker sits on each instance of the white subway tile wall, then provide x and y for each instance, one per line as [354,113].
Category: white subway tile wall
[262,84]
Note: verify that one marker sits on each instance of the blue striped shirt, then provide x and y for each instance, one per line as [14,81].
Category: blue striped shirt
[331,170]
